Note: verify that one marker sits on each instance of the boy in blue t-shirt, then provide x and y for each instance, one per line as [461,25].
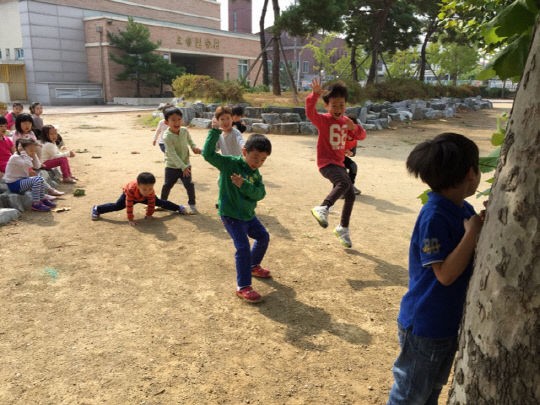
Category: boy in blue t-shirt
[440,266]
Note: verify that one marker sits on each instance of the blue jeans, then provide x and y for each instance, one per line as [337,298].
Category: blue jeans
[246,257]
[421,369]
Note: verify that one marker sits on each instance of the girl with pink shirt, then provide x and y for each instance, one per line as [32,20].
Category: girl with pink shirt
[6,145]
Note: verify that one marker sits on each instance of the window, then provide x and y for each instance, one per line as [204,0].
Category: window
[19,53]
[8,54]
[235,21]
[305,68]
[243,67]
[0,54]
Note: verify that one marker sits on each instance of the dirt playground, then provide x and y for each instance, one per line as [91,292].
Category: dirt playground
[98,312]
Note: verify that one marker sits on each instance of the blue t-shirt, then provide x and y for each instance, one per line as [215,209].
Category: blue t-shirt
[429,308]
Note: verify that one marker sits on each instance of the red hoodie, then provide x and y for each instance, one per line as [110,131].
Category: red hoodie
[333,134]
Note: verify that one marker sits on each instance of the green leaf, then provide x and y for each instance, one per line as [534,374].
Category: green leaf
[424,196]
[510,62]
[497,138]
[483,193]
[486,74]
[514,19]
[488,164]
[491,180]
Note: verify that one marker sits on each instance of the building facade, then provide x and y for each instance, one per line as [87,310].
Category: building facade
[65,49]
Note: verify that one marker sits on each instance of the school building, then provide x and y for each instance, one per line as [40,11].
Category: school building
[63,49]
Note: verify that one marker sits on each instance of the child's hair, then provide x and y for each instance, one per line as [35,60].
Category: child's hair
[23,143]
[222,110]
[165,106]
[45,133]
[335,90]
[3,120]
[258,142]
[444,161]
[146,178]
[22,118]
[167,113]
[17,105]
[33,107]
[237,110]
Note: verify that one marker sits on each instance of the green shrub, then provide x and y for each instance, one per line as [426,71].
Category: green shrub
[496,92]
[397,89]
[207,88]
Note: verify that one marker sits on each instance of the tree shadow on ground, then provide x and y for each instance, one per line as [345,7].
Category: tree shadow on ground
[154,226]
[383,205]
[390,274]
[304,322]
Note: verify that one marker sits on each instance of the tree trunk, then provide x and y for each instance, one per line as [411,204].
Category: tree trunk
[276,85]
[432,27]
[376,35]
[498,358]
[354,65]
[262,35]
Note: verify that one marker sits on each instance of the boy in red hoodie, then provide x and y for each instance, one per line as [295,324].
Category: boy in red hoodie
[334,129]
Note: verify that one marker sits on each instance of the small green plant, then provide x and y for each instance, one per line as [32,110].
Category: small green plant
[206,88]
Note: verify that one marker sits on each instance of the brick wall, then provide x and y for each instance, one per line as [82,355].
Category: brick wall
[240,19]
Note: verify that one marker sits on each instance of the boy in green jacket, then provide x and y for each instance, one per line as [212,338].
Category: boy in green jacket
[240,187]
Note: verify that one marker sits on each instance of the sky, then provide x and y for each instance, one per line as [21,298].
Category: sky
[257,8]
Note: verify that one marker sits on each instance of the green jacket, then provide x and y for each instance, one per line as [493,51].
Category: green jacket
[234,202]
[177,148]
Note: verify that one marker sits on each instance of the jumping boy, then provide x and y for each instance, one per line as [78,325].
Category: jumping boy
[240,187]
[440,265]
[177,144]
[135,192]
[334,128]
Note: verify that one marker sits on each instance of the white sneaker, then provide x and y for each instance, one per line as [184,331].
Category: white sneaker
[343,236]
[320,213]
[192,210]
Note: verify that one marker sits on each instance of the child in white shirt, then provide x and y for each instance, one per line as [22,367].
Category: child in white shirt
[53,157]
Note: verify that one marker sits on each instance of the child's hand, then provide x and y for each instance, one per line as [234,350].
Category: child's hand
[154,142]
[196,150]
[350,123]
[473,224]
[215,123]
[316,86]
[71,154]
[348,153]
[132,223]
[32,172]
[187,172]
[237,180]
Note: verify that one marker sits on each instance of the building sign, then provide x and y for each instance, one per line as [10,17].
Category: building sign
[197,42]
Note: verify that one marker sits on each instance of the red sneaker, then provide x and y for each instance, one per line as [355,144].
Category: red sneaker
[259,272]
[249,294]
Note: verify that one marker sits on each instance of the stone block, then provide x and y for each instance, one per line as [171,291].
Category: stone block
[290,117]
[301,111]
[20,202]
[363,114]
[307,128]
[188,114]
[199,108]
[260,128]
[376,108]
[418,113]
[438,106]
[370,127]
[384,122]
[434,114]
[253,112]
[271,118]
[251,121]
[405,115]
[8,214]
[201,123]
[289,128]
[374,123]
[450,112]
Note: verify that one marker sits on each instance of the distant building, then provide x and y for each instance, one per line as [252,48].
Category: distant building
[63,51]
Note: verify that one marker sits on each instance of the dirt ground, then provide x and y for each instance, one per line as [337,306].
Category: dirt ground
[101,312]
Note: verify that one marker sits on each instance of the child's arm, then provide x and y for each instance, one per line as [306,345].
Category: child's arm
[192,144]
[355,131]
[311,103]
[159,131]
[209,150]
[457,261]
[239,138]
[253,190]
[150,205]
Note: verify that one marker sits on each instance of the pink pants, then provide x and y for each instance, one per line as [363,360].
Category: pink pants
[62,162]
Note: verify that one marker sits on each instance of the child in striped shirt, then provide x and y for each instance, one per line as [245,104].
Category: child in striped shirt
[135,192]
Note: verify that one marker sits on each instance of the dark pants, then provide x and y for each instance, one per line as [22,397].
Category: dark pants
[421,369]
[121,204]
[351,166]
[171,177]
[247,257]
[342,187]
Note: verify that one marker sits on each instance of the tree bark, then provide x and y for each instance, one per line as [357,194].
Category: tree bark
[432,27]
[262,36]
[354,65]
[498,358]
[381,16]
[276,85]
